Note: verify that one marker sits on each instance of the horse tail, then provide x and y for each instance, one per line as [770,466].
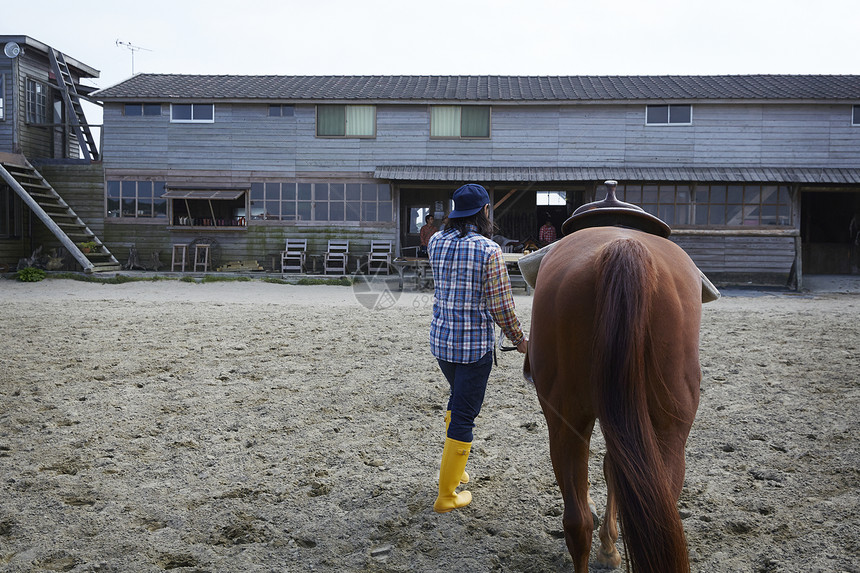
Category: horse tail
[622,360]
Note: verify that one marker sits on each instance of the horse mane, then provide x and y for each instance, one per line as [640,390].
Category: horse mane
[622,358]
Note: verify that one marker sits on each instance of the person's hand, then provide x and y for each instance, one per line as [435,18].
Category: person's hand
[523,346]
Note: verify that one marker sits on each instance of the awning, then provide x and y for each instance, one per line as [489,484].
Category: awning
[198,193]
[800,175]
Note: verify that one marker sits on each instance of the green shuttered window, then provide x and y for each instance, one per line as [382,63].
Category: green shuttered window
[460,122]
[346,121]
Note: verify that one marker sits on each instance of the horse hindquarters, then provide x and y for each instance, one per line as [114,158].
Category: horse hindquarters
[621,368]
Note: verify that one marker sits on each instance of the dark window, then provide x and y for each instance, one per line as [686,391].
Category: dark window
[37,102]
[278,110]
[138,109]
[668,114]
[136,199]
[369,202]
[475,121]
[855,115]
[712,204]
[192,112]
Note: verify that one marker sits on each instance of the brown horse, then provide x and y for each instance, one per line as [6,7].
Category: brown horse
[615,337]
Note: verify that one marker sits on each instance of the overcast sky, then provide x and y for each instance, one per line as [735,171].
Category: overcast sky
[442,37]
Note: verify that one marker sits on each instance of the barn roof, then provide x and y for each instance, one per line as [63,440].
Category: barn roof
[501,89]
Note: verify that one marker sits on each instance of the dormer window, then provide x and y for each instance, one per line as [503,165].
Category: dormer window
[675,114]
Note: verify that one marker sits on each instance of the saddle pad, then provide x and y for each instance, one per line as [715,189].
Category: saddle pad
[530,265]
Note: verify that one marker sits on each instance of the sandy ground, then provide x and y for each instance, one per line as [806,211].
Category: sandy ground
[262,427]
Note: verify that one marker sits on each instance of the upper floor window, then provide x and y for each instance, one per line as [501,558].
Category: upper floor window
[37,102]
[458,121]
[346,121]
[855,115]
[136,199]
[675,114]
[192,112]
[279,110]
[138,109]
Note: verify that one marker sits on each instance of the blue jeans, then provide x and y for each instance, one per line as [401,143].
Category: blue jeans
[468,384]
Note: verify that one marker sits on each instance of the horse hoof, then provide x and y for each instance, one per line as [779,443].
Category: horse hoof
[610,560]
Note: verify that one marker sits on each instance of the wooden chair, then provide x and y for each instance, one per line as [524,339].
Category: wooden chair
[201,256]
[180,252]
[294,255]
[336,256]
[379,257]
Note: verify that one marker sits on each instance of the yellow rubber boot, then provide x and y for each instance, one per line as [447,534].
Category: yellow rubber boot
[465,477]
[454,458]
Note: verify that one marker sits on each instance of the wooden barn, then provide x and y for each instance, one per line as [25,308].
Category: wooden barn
[757,175]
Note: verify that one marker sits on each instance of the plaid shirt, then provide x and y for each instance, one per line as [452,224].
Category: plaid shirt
[547,234]
[472,292]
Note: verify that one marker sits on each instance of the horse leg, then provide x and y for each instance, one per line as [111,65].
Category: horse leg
[569,453]
[608,555]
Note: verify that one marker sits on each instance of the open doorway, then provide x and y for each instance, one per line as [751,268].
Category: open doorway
[519,214]
[826,232]
[415,206]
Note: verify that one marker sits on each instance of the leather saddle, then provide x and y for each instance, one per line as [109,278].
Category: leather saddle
[610,212]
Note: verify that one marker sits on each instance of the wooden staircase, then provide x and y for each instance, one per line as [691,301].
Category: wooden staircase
[55,213]
[72,101]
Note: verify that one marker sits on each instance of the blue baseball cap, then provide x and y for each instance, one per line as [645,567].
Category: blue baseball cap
[468,200]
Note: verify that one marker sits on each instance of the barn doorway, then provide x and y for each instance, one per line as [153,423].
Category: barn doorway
[825,230]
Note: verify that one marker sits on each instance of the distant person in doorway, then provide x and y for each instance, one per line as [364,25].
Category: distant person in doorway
[547,233]
[428,230]
[473,292]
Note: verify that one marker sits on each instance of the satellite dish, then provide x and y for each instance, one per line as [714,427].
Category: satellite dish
[12,50]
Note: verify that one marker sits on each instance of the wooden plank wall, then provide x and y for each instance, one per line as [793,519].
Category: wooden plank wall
[244,138]
[260,242]
[758,259]
[6,91]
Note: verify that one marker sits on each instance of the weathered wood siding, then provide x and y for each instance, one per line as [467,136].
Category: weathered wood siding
[32,141]
[261,242]
[12,250]
[755,259]
[6,91]
[244,139]
[81,185]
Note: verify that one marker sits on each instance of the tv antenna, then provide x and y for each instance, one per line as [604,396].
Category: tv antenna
[131,48]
